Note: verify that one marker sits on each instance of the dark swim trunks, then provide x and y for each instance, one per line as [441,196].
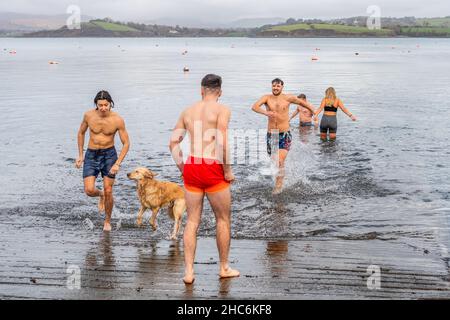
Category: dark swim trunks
[306,124]
[284,141]
[99,161]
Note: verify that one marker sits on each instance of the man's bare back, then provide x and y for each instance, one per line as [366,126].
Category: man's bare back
[207,124]
[204,121]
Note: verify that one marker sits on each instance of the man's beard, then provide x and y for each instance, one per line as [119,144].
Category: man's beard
[276,94]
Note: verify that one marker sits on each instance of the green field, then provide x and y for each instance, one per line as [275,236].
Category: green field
[337,28]
[113,26]
[292,27]
[434,22]
[426,30]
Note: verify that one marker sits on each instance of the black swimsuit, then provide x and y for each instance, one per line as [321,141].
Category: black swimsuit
[331,108]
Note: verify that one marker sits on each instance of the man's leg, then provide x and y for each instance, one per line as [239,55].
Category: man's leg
[323,136]
[194,204]
[332,136]
[282,154]
[109,201]
[92,191]
[221,203]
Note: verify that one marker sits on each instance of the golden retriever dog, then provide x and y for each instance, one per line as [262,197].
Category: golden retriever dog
[154,195]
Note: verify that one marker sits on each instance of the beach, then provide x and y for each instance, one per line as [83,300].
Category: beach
[377,199]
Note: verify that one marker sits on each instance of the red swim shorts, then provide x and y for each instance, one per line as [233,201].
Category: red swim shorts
[204,175]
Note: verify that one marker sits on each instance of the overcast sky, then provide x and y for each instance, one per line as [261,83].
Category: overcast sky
[229,10]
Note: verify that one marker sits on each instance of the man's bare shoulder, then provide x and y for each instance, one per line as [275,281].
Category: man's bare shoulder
[88,115]
[224,108]
[289,97]
[115,115]
[266,97]
[118,120]
[189,109]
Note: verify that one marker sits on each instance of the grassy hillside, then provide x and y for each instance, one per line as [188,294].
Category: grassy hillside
[434,22]
[338,29]
[426,31]
[109,26]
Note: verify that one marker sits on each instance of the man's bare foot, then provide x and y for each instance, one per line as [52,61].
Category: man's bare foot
[277,190]
[189,278]
[101,202]
[107,226]
[229,273]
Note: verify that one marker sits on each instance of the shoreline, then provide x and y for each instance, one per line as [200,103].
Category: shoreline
[130,263]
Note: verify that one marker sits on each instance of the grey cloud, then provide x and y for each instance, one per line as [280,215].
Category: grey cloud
[228,10]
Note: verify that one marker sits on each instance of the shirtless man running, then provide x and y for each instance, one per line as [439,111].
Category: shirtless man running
[278,129]
[101,156]
[206,171]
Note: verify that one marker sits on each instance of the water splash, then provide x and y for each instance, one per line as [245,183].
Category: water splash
[88,224]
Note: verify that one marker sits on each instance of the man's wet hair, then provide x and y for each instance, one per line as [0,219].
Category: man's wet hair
[104,95]
[278,80]
[212,82]
[302,96]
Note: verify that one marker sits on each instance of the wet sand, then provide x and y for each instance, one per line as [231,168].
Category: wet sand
[130,263]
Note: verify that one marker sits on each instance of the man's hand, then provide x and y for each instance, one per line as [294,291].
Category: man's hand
[271,114]
[229,176]
[353,118]
[181,167]
[115,168]
[79,162]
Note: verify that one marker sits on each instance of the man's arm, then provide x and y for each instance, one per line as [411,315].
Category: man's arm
[300,102]
[297,111]
[258,104]
[318,111]
[81,136]
[176,138]
[222,143]
[123,134]
[343,108]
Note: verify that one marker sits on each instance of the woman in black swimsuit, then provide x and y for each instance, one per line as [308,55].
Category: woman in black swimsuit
[330,105]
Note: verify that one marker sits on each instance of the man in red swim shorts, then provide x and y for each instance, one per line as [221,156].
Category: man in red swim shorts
[206,171]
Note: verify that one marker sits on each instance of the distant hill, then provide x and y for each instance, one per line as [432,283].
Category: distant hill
[254,22]
[323,29]
[204,23]
[357,27]
[27,22]
[349,27]
[435,22]
[109,28]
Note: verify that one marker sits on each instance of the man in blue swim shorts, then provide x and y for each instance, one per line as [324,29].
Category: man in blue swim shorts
[101,156]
